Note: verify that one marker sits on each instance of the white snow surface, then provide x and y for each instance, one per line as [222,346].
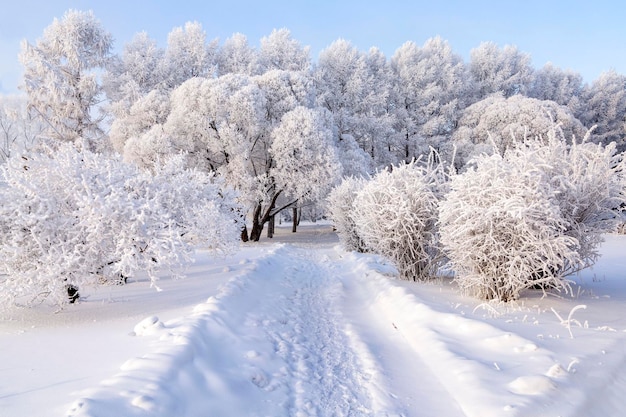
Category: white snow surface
[296,326]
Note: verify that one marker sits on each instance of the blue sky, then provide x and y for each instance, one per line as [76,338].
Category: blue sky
[585,36]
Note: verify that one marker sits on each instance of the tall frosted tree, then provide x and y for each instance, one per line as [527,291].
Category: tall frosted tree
[230,125]
[564,87]
[506,70]
[61,75]
[281,52]
[604,106]
[431,89]
[354,87]
[236,56]
[133,74]
[188,54]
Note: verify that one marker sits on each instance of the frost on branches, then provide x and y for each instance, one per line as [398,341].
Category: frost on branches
[61,76]
[396,216]
[530,217]
[340,204]
[75,218]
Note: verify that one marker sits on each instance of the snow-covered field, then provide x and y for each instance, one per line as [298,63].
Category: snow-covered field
[298,327]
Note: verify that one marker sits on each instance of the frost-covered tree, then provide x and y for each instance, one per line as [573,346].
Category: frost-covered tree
[227,125]
[604,106]
[61,75]
[396,216]
[378,109]
[148,111]
[188,55]
[354,88]
[236,56]
[219,123]
[306,162]
[19,130]
[75,218]
[279,51]
[496,123]
[431,90]
[530,217]
[505,70]
[564,87]
[340,207]
[135,73]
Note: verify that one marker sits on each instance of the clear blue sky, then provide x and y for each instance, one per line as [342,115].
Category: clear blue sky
[585,36]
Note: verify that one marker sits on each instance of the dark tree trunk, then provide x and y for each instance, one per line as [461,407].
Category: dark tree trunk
[244,234]
[261,216]
[270,227]
[294,216]
[257,225]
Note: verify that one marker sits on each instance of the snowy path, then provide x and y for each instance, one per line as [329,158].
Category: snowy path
[294,331]
[305,329]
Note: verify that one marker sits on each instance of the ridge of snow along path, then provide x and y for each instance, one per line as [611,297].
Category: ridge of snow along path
[306,329]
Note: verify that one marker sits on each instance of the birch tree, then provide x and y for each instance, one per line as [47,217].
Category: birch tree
[61,76]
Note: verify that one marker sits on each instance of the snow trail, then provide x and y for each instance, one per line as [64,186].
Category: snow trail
[309,330]
[293,334]
[322,373]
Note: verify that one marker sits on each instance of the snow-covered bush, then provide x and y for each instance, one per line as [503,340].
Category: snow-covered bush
[531,216]
[75,218]
[340,206]
[396,216]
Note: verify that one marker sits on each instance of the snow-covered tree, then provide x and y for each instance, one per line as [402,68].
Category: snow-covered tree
[378,121]
[227,125]
[236,56]
[500,122]
[500,70]
[604,106]
[306,162]
[188,55]
[564,87]
[149,110]
[61,75]
[219,123]
[279,51]
[340,207]
[75,218]
[431,89]
[396,216]
[19,130]
[345,86]
[531,216]
[135,73]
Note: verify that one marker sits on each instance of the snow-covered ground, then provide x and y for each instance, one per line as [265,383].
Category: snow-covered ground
[298,327]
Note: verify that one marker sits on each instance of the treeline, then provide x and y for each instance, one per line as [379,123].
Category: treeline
[281,131]
[221,103]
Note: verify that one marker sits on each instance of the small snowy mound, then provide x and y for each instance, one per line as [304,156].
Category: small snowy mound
[148,326]
[531,385]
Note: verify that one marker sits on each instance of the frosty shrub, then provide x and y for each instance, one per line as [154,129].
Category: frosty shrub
[75,218]
[340,205]
[531,216]
[396,216]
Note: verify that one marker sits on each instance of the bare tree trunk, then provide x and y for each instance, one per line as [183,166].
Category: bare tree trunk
[270,227]
[257,224]
[294,227]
